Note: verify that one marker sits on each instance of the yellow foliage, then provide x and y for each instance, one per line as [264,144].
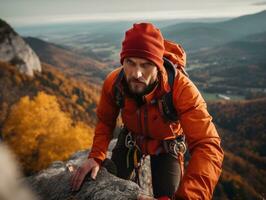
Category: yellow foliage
[39,132]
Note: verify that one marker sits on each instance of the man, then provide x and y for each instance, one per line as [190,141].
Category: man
[142,86]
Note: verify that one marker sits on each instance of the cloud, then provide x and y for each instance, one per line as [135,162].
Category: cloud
[261,3]
[115,16]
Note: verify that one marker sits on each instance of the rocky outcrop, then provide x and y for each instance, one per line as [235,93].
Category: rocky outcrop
[13,49]
[54,182]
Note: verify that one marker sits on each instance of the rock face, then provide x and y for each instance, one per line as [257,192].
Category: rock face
[14,50]
[54,182]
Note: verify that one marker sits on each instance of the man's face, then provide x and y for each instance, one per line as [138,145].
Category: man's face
[140,73]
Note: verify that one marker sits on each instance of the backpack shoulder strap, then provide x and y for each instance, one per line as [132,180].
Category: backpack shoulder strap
[118,93]
[166,105]
[171,71]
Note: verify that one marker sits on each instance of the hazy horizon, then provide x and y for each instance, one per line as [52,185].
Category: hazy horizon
[32,12]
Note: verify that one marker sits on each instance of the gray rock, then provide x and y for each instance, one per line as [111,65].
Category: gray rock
[54,182]
[13,49]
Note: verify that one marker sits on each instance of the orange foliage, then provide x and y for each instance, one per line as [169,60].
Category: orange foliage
[39,132]
[74,97]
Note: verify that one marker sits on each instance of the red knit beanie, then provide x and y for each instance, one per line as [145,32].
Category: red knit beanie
[143,40]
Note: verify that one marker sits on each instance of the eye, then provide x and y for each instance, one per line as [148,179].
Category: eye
[148,65]
[129,62]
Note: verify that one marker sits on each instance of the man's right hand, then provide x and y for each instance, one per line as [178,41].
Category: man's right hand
[79,174]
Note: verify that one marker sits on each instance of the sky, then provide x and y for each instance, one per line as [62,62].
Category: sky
[30,12]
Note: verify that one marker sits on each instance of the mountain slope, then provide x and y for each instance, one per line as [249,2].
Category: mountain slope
[238,65]
[250,47]
[242,128]
[74,97]
[246,25]
[199,37]
[195,36]
[70,63]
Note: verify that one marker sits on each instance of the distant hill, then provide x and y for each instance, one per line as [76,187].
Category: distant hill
[242,128]
[245,25]
[247,48]
[74,97]
[70,63]
[239,65]
[198,37]
[195,36]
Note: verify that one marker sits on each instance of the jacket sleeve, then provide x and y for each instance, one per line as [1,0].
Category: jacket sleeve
[205,164]
[107,113]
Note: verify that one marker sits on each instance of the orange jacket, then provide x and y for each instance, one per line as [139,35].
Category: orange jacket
[203,141]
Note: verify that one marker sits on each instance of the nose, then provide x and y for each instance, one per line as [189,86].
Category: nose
[137,73]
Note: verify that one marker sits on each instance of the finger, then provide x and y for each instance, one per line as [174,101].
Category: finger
[77,179]
[80,180]
[73,175]
[74,179]
[94,172]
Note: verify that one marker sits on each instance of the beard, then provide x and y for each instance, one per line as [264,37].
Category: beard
[137,86]
[140,87]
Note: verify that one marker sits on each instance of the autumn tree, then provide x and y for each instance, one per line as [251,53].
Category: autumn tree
[39,132]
